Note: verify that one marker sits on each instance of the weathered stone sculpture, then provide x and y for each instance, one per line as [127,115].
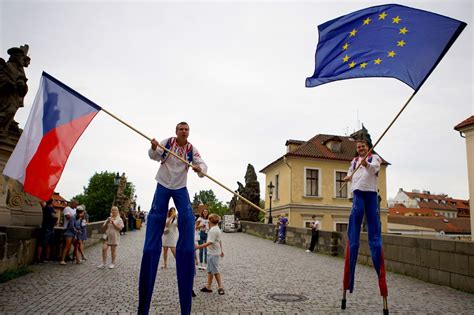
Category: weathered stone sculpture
[362,134]
[16,207]
[13,87]
[251,191]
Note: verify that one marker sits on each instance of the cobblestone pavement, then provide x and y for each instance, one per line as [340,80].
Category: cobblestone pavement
[252,269]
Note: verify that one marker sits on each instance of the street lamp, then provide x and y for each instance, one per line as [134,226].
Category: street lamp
[116,183]
[270,195]
[117,179]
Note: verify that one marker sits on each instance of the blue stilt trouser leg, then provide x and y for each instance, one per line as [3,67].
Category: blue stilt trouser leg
[363,200]
[152,248]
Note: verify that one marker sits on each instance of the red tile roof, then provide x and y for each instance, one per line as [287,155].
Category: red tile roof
[403,211]
[316,148]
[58,201]
[443,202]
[458,225]
[465,123]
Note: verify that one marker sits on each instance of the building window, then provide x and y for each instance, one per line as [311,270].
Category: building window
[312,182]
[277,186]
[341,227]
[341,193]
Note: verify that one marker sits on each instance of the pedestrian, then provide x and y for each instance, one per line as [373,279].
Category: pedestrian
[364,190]
[202,224]
[170,235]
[314,234]
[171,178]
[214,244]
[77,241]
[69,214]
[113,225]
[283,222]
[46,235]
[124,220]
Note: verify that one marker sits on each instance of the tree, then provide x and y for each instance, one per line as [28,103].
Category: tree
[99,195]
[208,198]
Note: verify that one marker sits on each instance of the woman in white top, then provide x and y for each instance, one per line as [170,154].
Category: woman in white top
[170,235]
[113,225]
[202,224]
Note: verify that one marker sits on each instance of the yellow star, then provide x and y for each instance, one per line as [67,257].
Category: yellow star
[352,64]
[345,59]
[382,16]
[363,65]
[353,33]
[346,45]
[403,30]
[391,54]
[378,61]
[396,19]
[367,21]
[401,43]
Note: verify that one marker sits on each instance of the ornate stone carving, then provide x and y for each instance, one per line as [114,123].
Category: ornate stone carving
[251,191]
[13,87]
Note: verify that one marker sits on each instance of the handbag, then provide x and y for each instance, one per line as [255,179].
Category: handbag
[166,231]
[104,237]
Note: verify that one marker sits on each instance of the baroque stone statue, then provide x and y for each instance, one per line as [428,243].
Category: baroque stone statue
[362,134]
[250,191]
[13,87]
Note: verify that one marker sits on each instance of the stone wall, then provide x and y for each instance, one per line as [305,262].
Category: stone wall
[18,244]
[444,262]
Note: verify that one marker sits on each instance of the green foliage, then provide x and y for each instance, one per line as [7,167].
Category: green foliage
[261,215]
[99,195]
[14,273]
[208,198]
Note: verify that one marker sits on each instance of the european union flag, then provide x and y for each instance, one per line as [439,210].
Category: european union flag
[383,41]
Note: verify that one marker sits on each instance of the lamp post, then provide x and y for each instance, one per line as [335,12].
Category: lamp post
[270,195]
[116,183]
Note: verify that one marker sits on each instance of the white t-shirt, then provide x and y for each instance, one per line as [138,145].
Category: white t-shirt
[316,225]
[71,212]
[214,236]
[202,221]
[173,173]
[365,178]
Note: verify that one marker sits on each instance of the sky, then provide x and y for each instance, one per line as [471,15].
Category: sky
[235,71]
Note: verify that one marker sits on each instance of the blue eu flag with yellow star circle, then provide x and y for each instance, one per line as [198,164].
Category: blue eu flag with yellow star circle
[383,41]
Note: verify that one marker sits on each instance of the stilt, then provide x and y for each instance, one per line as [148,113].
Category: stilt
[343,302]
[385,306]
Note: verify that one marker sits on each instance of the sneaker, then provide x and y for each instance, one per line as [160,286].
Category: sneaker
[101,266]
[62,263]
[221,291]
[111,266]
[307,251]
[206,290]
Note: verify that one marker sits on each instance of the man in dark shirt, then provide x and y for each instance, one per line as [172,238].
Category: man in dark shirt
[46,236]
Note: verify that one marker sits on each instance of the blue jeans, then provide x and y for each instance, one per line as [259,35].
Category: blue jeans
[185,268]
[202,251]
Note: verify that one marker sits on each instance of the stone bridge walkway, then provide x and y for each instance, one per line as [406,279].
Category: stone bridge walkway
[252,269]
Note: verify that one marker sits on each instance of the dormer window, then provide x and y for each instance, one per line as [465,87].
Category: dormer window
[334,144]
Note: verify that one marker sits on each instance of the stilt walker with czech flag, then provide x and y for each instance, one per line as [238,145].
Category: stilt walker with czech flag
[381,41]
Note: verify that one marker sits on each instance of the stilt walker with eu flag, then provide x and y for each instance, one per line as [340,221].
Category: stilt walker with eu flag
[381,41]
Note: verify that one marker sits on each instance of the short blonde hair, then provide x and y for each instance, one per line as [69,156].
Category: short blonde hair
[114,208]
[214,218]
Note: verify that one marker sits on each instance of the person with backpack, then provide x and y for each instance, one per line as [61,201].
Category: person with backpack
[172,179]
[365,198]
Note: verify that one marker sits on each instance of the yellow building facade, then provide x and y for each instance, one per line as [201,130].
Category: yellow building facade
[307,182]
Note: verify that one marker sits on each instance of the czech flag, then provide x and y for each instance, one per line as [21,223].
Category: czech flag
[57,119]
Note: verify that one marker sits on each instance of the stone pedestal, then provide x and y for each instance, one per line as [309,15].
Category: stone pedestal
[16,207]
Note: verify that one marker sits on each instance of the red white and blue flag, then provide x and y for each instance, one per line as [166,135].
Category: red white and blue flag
[57,119]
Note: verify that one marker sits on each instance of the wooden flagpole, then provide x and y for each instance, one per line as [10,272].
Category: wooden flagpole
[185,161]
[380,138]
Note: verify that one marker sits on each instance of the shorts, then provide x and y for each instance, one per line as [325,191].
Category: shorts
[213,264]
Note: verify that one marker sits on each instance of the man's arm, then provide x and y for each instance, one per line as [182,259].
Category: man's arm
[156,151]
[199,166]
